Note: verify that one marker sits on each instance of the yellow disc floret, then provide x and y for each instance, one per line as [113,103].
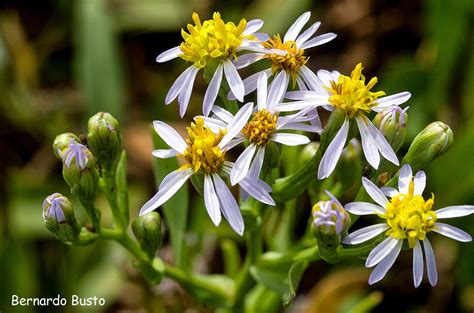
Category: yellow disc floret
[203,151]
[410,216]
[261,127]
[352,95]
[291,61]
[211,39]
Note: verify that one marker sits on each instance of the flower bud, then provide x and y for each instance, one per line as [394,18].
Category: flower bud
[392,123]
[147,230]
[104,139]
[430,143]
[59,218]
[80,172]
[61,143]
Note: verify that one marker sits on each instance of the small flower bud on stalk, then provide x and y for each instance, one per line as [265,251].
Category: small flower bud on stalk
[147,230]
[330,224]
[430,143]
[104,139]
[61,143]
[392,123]
[59,218]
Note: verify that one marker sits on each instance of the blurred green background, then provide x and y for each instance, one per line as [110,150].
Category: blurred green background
[61,61]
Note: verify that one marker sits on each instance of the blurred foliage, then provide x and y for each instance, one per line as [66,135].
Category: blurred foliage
[61,61]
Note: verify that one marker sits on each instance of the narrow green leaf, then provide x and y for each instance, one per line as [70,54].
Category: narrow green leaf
[122,189]
[294,277]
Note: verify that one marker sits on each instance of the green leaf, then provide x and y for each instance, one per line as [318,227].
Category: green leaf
[175,210]
[294,278]
[122,190]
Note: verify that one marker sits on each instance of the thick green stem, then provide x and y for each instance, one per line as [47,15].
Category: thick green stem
[109,187]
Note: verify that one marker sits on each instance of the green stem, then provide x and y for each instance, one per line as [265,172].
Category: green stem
[109,187]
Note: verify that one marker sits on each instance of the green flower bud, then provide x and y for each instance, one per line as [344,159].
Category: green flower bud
[104,139]
[308,152]
[430,143]
[330,224]
[147,230]
[392,123]
[59,218]
[61,143]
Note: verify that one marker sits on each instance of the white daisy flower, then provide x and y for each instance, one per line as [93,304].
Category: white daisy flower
[204,42]
[353,96]
[204,152]
[287,56]
[408,216]
[266,125]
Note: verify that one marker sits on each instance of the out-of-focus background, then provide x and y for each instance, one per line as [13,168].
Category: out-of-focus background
[61,61]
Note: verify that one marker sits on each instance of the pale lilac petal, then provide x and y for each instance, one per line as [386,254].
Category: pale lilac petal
[228,205]
[212,91]
[325,77]
[170,136]
[389,191]
[382,145]
[262,92]
[252,26]
[312,80]
[214,124]
[382,250]
[256,166]
[396,99]
[417,264]
[364,208]
[304,95]
[211,201]
[234,80]
[307,34]
[364,234]
[179,83]
[223,114]
[420,182]
[301,83]
[455,211]
[296,27]
[250,83]
[299,105]
[369,145]
[237,124]
[277,89]
[257,190]
[247,59]
[374,192]
[303,127]
[242,165]
[261,37]
[333,198]
[169,55]
[234,142]
[452,232]
[404,178]
[318,40]
[384,266]
[290,139]
[430,263]
[174,181]
[164,153]
[185,93]
[333,152]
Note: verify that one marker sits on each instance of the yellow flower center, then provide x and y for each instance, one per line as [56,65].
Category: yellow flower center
[212,39]
[410,216]
[261,127]
[352,95]
[203,152]
[291,61]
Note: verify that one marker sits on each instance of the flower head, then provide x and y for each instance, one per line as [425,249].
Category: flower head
[76,152]
[408,215]
[329,217]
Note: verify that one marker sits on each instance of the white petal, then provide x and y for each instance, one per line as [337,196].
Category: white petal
[325,77]
[307,34]
[277,89]
[211,201]
[262,92]
[223,114]
[389,191]
[369,145]
[304,95]
[257,190]
[247,59]
[179,83]
[185,93]
[318,40]
[242,165]
[430,262]
[299,105]
[252,26]
[234,80]
[250,83]
[290,139]
[170,136]
[301,83]
[420,182]
[174,181]
[312,80]
[404,178]
[364,234]
[452,232]
[296,27]
[164,153]
[364,208]
[384,266]
[229,206]
[169,54]
[382,250]
[214,124]
[395,99]
[303,127]
[374,192]
[261,36]
[382,145]
[212,91]
[238,122]
[417,264]
[333,152]
[256,167]
[454,211]
[233,143]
